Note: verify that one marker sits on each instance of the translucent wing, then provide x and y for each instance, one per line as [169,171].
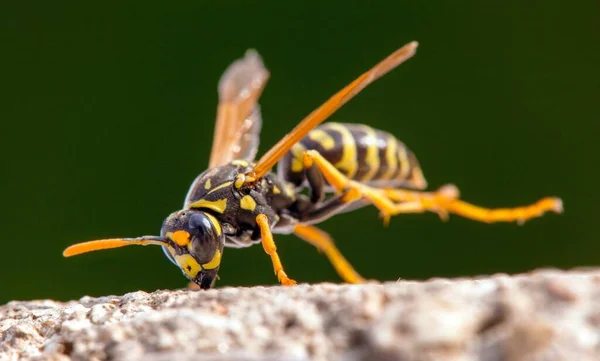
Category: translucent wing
[267,161]
[238,114]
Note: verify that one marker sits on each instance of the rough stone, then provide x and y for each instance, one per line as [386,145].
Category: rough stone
[546,315]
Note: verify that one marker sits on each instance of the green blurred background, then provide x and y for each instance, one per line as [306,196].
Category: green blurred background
[107,115]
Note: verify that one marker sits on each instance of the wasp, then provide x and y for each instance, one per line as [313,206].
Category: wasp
[322,170]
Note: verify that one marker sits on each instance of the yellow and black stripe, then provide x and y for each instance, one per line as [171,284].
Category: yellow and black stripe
[359,152]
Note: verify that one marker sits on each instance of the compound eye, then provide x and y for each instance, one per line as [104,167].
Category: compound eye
[203,248]
[204,240]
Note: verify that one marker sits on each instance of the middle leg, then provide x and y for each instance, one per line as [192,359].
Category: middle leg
[319,210]
[324,243]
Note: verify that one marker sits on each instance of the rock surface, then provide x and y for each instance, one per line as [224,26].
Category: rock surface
[544,315]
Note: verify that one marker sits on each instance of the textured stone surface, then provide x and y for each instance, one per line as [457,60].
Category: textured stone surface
[544,315]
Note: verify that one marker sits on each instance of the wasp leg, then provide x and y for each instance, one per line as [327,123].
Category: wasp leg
[394,201]
[315,182]
[340,182]
[419,202]
[446,200]
[271,249]
[324,243]
[318,238]
[320,212]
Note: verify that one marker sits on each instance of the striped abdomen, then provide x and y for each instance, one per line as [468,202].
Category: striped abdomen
[359,152]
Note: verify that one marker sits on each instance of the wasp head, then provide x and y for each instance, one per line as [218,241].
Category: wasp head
[193,240]
[195,244]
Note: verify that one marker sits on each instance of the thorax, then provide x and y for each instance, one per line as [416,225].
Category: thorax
[235,203]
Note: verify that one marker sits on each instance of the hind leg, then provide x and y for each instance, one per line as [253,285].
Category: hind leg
[391,202]
[446,200]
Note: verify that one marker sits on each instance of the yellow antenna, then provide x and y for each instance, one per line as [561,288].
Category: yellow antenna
[101,244]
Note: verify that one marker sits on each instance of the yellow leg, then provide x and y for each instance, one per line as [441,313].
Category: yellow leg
[418,202]
[395,201]
[446,200]
[377,196]
[517,214]
[324,243]
[271,249]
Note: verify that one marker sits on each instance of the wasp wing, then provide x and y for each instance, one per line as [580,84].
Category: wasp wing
[238,124]
[273,155]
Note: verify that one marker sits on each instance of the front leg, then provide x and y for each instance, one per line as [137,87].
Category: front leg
[269,246]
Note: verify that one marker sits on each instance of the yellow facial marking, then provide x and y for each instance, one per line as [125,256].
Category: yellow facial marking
[240,179]
[188,264]
[181,237]
[207,184]
[320,136]
[372,156]
[248,203]
[348,163]
[240,162]
[391,158]
[276,190]
[220,186]
[214,262]
[214,222]
[404,165]
[297,152]
[217,206]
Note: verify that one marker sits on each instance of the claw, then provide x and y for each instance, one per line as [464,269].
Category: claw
[386,218]
[285,280]
[442,213]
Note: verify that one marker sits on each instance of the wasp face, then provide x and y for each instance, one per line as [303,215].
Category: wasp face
[195,245]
